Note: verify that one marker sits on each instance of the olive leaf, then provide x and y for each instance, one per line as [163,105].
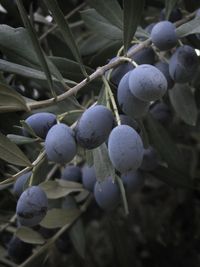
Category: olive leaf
[11,153]
[29,235]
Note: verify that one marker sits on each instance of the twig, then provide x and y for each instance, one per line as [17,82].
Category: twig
[185,19]
[98,73]
[25,170]
[51,172]
[112,99]
[101,70]
[60,117]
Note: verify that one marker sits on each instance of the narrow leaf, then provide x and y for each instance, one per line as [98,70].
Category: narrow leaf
[11,153]
[110,10]
[59,217]
[65,30]
[169,6]
[191,27]
[39,172]
[7,66]
[29,235]
[60,188]
[102,163]
[183,101]
[17,45]
[132,14]
[36,45]
[10,99]
[20,140]
[69,68]
[100,25]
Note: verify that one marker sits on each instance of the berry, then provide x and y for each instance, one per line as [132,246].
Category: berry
[94,126]
[163,35]
[60,144]
[130,105]
[129,121]
[175,15]
[19,185]
[119,72]
[161,112]
[18,250]
[164,68]
[32,206]
[72,173]
[183,64]
[133,181]
[125,148]
[107,194]
[150,27]
[145,56]
[147,83]
[40,123]
[88,177]
[150,159]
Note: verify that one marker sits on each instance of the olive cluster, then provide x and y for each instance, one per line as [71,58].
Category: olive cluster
[140,87]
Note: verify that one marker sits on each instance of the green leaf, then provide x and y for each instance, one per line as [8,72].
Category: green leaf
[191,27]
[29,235]
[59,217]
[69,68]
[132,14]
[100,25]
[163,143]
[10,100]
[110,10]
[102,163]
[16,44]
[108,52]
[39,172]
[27,72]
[169,6]
[36,45]
[11,153]
[60,188]
[20,140]
[98,42]
[28,128]
[65,31]
[183,101]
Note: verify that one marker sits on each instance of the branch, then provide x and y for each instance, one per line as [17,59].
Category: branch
[100,71]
